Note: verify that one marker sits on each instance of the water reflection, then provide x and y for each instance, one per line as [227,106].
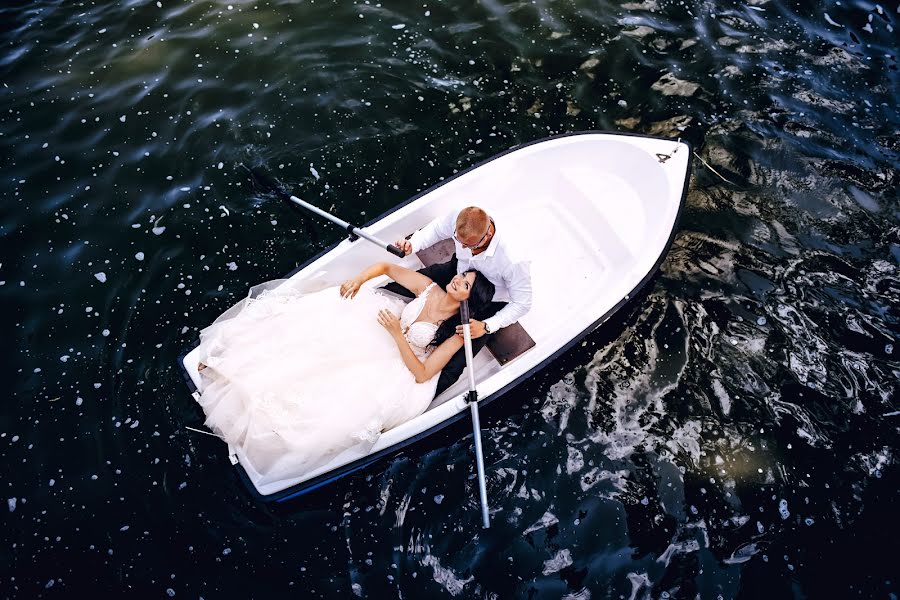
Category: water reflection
[737,433]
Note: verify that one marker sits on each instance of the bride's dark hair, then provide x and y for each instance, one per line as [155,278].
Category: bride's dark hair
[480,299]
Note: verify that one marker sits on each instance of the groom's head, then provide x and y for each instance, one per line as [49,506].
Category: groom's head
[473,227]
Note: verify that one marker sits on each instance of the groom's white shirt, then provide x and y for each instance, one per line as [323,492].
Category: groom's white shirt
[510,274]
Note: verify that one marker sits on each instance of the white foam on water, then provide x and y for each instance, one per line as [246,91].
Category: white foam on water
[11,504]
[683,547]
[638,581]
[449,580]
[742,554]
[560,561]
[400,513]
[637,397]
[561,399]
[596,475]
[806,357]
[701,526]
[783,509]
[101,277]
[686,438]
[545,521]
[722,395]
[575,461]
[875,462]
[808,429]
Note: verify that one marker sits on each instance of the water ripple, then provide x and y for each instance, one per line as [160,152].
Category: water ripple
[744,411]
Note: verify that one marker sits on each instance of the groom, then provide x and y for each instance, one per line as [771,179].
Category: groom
[479,245]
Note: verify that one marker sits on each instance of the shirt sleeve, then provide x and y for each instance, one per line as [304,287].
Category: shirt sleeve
[518,283]
[439,229]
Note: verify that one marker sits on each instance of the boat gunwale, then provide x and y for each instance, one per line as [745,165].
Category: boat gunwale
[323,479]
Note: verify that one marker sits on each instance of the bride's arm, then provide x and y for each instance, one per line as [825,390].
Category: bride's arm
[411,280]
[436,361]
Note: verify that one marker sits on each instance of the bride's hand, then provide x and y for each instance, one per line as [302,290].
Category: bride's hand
[349,288]
[387,320]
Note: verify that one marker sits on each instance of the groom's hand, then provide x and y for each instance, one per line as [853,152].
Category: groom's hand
[476,328]
[404,245]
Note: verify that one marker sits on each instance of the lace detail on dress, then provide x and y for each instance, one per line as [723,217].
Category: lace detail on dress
[418,334]
[370,433]
[270,303]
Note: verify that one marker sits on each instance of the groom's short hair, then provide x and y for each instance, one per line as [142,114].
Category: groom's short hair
[471,221]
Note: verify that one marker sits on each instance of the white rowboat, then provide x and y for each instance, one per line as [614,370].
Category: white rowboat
[596,213]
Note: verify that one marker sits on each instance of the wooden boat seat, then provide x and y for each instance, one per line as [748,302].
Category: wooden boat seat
[505,345]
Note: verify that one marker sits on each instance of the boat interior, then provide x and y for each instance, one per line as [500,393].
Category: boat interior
[593,213]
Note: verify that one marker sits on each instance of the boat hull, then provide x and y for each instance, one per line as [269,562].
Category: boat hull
[594,212]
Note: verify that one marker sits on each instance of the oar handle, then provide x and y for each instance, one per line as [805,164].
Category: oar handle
[395,250]
[267,183]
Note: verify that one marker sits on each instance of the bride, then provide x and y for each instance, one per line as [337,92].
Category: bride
[295,379]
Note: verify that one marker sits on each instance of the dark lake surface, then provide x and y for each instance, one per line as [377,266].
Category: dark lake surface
[735,435]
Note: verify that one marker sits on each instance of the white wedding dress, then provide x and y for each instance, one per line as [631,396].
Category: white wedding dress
[295,379]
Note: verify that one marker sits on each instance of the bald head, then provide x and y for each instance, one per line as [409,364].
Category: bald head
[472,222]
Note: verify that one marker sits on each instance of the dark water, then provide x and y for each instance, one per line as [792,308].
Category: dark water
[735,436]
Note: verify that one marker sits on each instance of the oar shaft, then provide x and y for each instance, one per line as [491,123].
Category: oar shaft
[473,408]
[263,180]
[479,462]
[347,226]
[315,209]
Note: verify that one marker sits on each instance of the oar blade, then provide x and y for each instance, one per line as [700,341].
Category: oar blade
[262,180]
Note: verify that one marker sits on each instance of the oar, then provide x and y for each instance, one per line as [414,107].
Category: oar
[265,182]
[472,399]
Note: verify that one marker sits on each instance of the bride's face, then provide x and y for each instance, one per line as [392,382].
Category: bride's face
[460,286]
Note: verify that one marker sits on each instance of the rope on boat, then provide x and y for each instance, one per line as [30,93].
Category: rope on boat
[206,432]
[713,170]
